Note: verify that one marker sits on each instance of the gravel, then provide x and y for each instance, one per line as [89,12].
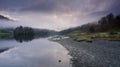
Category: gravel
[99,53]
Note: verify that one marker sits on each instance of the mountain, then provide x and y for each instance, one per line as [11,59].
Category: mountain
[5,18]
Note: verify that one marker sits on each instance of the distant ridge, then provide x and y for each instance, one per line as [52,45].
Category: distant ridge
[5,18]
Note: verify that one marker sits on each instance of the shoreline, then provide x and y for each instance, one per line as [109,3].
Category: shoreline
[99,53]
[89,37]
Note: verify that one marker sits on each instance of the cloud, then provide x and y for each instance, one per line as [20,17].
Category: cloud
[59,5]
[59,13]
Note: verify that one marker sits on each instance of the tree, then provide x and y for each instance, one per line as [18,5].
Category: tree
[91,29]
[23,34]
[110,17]
[117,22]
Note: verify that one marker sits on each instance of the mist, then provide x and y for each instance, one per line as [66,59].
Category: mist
[53,21]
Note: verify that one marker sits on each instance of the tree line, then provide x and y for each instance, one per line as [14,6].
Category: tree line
[107,23]
[23,34]
[27,33]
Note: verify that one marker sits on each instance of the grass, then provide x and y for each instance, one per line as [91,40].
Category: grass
[89,37]
[4,35]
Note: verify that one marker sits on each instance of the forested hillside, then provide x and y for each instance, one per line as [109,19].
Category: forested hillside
[109,23]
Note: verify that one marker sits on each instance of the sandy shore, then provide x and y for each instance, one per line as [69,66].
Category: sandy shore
[99,53]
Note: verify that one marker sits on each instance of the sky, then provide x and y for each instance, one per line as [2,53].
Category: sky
[57,14]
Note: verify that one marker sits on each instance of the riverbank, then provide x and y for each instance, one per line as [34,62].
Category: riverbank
[99,53]
[5,35]
[89,37]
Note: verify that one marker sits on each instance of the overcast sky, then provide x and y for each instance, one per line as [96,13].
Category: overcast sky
[57,14]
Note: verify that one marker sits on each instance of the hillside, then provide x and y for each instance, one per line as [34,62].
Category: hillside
[108,23]
[4,18]
[107,28]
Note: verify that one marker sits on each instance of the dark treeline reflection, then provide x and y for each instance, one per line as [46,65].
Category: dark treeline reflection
[23,34]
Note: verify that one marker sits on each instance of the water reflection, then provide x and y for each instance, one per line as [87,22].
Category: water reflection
[27,38]
[22,38]
[37,53]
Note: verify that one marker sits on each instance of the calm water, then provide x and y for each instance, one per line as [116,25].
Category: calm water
[65,53]
[36,53]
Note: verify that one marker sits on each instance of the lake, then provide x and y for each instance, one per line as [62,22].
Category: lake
[36,53]
[42,52]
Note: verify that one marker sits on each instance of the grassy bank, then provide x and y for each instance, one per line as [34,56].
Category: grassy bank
[89,37]
[5,34]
